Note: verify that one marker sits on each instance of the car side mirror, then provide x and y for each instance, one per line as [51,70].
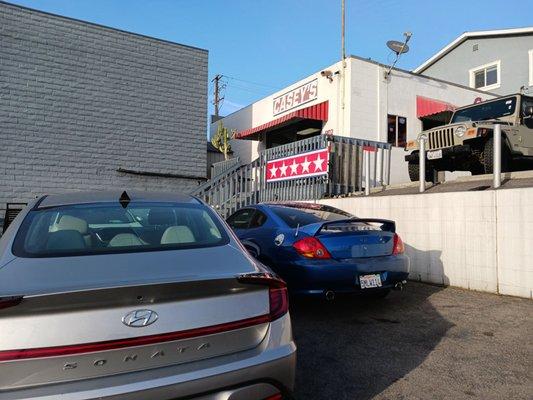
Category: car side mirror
[528,112]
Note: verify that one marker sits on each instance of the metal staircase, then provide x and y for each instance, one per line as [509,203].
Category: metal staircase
[234,185]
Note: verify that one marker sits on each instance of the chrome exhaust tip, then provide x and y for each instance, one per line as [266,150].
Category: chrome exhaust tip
[330,295]
[399,285]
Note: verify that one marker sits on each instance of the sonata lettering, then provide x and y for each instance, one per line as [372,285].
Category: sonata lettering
[296,97]
[135,357]
[132,357]
[68,366]
[203,346]
[158,353]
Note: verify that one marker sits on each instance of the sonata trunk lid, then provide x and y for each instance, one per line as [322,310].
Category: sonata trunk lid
[85,317]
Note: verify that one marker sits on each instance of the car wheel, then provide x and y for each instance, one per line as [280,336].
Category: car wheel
[414,172]
[488,157]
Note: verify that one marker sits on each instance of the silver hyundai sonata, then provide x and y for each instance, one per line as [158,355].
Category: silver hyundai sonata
[137,296]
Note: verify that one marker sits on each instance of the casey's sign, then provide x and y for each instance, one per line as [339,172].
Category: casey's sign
[296,97]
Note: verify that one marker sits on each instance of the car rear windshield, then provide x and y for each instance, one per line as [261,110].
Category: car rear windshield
[109,228]
[301,216]
[486,111]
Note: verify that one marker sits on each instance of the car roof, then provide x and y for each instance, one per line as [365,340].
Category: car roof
[302,205]
[55,200]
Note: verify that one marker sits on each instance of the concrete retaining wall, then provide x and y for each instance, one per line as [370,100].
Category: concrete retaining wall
[474,240]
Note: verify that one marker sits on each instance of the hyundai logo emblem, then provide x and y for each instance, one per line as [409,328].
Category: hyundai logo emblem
[139,318]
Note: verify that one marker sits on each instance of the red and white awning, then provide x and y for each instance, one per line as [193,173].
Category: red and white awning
[426,106]
[318,112]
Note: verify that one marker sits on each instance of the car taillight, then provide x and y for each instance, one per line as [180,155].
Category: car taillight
[311,247]
[277,291]
[398,247]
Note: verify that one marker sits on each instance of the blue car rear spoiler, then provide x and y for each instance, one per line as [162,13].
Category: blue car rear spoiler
[314,229]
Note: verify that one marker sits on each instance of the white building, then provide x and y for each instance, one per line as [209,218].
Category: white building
[364,102]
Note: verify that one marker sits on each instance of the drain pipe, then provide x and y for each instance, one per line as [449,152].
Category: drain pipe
[497,157]
[422,164]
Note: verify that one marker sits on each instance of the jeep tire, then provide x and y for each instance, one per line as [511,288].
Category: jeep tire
[414,172]
[488,156]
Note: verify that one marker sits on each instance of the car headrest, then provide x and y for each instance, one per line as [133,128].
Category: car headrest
[66,239]
[125,239]
[177,235]
[161,216]
[68,222]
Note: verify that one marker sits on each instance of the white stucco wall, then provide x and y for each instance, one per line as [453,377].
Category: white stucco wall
[474,240]
[368,100]
[261,112]
[372,98]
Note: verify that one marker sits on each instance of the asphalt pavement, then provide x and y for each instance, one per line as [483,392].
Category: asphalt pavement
[426,342]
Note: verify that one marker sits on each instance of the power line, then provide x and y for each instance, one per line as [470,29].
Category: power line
[251,82]
[247,89]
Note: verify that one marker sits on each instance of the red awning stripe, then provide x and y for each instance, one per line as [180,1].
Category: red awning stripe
[317,112]
[426,106]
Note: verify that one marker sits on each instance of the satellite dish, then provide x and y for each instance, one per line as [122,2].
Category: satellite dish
[398,47]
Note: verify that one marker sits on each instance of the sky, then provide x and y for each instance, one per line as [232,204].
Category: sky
[261,46]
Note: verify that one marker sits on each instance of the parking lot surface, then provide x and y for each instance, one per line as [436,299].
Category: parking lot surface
[426,342]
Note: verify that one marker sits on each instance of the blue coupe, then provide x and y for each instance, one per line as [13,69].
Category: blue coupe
[322,251]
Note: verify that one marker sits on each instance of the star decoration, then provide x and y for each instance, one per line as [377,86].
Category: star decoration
[294,167]
[318,163]
[273,171]
[305,165]
[283,169]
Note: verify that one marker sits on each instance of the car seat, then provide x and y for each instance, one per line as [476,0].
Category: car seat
[180,234]
[68,222]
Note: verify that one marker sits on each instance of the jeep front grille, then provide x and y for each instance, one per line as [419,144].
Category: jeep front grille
[440,138]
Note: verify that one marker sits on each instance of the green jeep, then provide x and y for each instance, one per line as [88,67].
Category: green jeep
[466,143]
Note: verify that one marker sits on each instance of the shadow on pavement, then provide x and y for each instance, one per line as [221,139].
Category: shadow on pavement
[354,348]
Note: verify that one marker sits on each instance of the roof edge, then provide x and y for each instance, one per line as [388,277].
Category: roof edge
[102,26]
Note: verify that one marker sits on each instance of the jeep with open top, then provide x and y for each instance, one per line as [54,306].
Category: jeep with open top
[466,143]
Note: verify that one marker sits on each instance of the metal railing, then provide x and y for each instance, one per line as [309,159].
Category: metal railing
[496,154]
[239,186]
[223,166]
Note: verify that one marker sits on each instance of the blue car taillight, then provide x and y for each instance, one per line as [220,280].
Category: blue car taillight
[311,247]
[398,246]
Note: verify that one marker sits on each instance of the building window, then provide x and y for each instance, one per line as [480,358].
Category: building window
[531,67]
[396,130]
[486,76]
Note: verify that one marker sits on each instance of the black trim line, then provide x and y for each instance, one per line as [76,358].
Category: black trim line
[38,203]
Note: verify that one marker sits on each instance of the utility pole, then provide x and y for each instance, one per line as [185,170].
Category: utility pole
[343,47]
[343,73]
[218,98]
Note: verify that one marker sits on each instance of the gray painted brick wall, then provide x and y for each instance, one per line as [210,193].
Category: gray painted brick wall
[78,101]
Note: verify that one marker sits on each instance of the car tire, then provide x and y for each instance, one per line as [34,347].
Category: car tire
[414,172]
[488,157]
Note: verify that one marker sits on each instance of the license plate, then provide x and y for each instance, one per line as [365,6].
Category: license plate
[370,281]
[434,155]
